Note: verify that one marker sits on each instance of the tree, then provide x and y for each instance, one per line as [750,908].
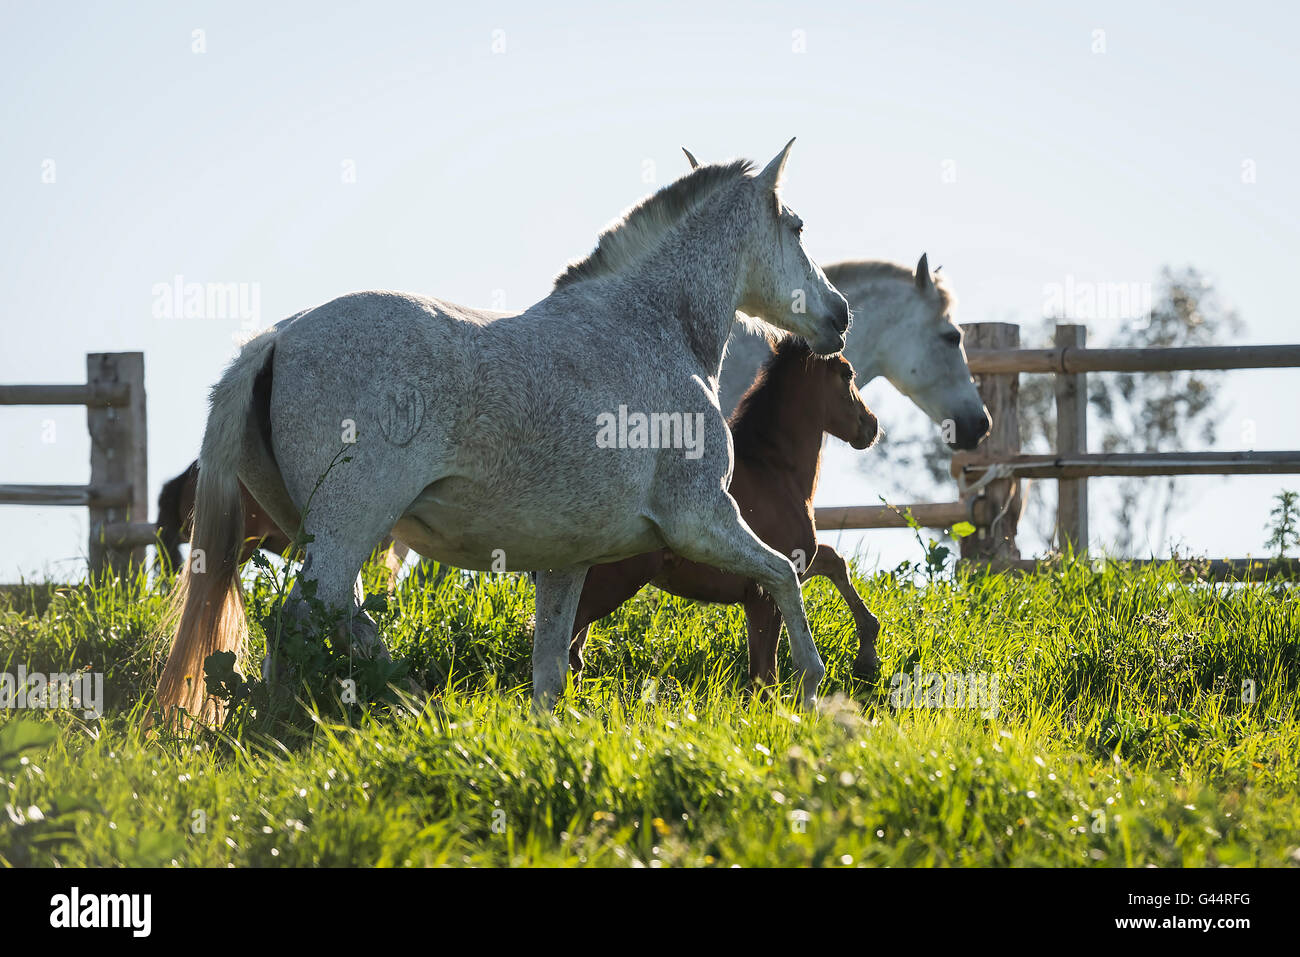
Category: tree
[1284,523]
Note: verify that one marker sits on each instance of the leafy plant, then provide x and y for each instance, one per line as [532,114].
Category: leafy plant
[936,553]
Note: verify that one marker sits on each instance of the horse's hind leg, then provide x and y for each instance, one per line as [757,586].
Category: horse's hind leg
[719,537]
[828,563]
[335,566]
[333,562]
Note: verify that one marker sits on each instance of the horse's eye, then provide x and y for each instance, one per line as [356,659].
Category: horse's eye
[952,338]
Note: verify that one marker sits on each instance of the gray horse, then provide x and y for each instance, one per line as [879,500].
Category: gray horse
[581,431]
[902,330]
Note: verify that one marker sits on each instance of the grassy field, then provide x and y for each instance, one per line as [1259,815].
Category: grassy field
[1139,721]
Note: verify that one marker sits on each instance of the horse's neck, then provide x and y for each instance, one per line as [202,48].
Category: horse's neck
[691,284]
[882,307]
[792,443]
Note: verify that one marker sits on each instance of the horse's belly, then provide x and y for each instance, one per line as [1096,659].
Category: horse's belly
[470,533]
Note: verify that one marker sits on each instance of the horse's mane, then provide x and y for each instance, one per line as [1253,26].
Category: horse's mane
[641,227]
[866,270]
[754,422]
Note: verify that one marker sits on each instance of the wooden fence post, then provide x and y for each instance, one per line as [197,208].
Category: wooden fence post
[1000,393]
[118,455]
[1071,438]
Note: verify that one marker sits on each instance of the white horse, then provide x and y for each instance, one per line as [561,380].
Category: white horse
[479,438]
[902,330]
[912,314]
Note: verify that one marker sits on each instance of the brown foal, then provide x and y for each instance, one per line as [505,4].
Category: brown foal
[777,433]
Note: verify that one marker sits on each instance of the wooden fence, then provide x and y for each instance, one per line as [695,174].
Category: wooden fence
[992,473]
[118,492]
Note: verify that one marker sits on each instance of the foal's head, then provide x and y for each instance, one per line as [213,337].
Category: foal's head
[844,412]
[796,392]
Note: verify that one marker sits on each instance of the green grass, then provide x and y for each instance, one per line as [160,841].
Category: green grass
[1121,738]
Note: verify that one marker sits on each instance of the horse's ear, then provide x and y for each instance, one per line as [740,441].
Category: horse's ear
[695,164]
[771,175]
[923,280]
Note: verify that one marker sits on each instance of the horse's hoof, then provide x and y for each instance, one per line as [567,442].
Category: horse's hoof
[867,669]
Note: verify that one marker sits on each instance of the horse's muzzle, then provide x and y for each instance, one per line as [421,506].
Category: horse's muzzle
[868,434]
[971,431]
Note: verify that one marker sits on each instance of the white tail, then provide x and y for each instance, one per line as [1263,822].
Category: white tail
[208,608]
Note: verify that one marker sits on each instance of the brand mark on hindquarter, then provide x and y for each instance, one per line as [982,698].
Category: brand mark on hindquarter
[401,413]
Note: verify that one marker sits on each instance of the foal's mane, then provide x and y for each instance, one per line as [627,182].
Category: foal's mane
[753,424]
[641,228]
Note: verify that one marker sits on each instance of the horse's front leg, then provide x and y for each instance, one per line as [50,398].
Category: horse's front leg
[828,563]
[720,537]
[557,603]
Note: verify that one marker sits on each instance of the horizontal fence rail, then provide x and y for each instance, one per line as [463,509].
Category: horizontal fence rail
[1218,569]
[927,515]
[1147,464]
[88,496]
[129,535]
[1189,358]
[91,395]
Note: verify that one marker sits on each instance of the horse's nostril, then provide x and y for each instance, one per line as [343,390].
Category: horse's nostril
[842,317]
[983,425]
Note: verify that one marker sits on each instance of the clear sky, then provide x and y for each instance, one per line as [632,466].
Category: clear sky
[468,151]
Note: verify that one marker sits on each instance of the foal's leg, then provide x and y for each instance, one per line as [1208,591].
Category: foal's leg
[557,601]
[575,652]
[720,537]
[828,563]
[763,620]
[606,589]
[395,553]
